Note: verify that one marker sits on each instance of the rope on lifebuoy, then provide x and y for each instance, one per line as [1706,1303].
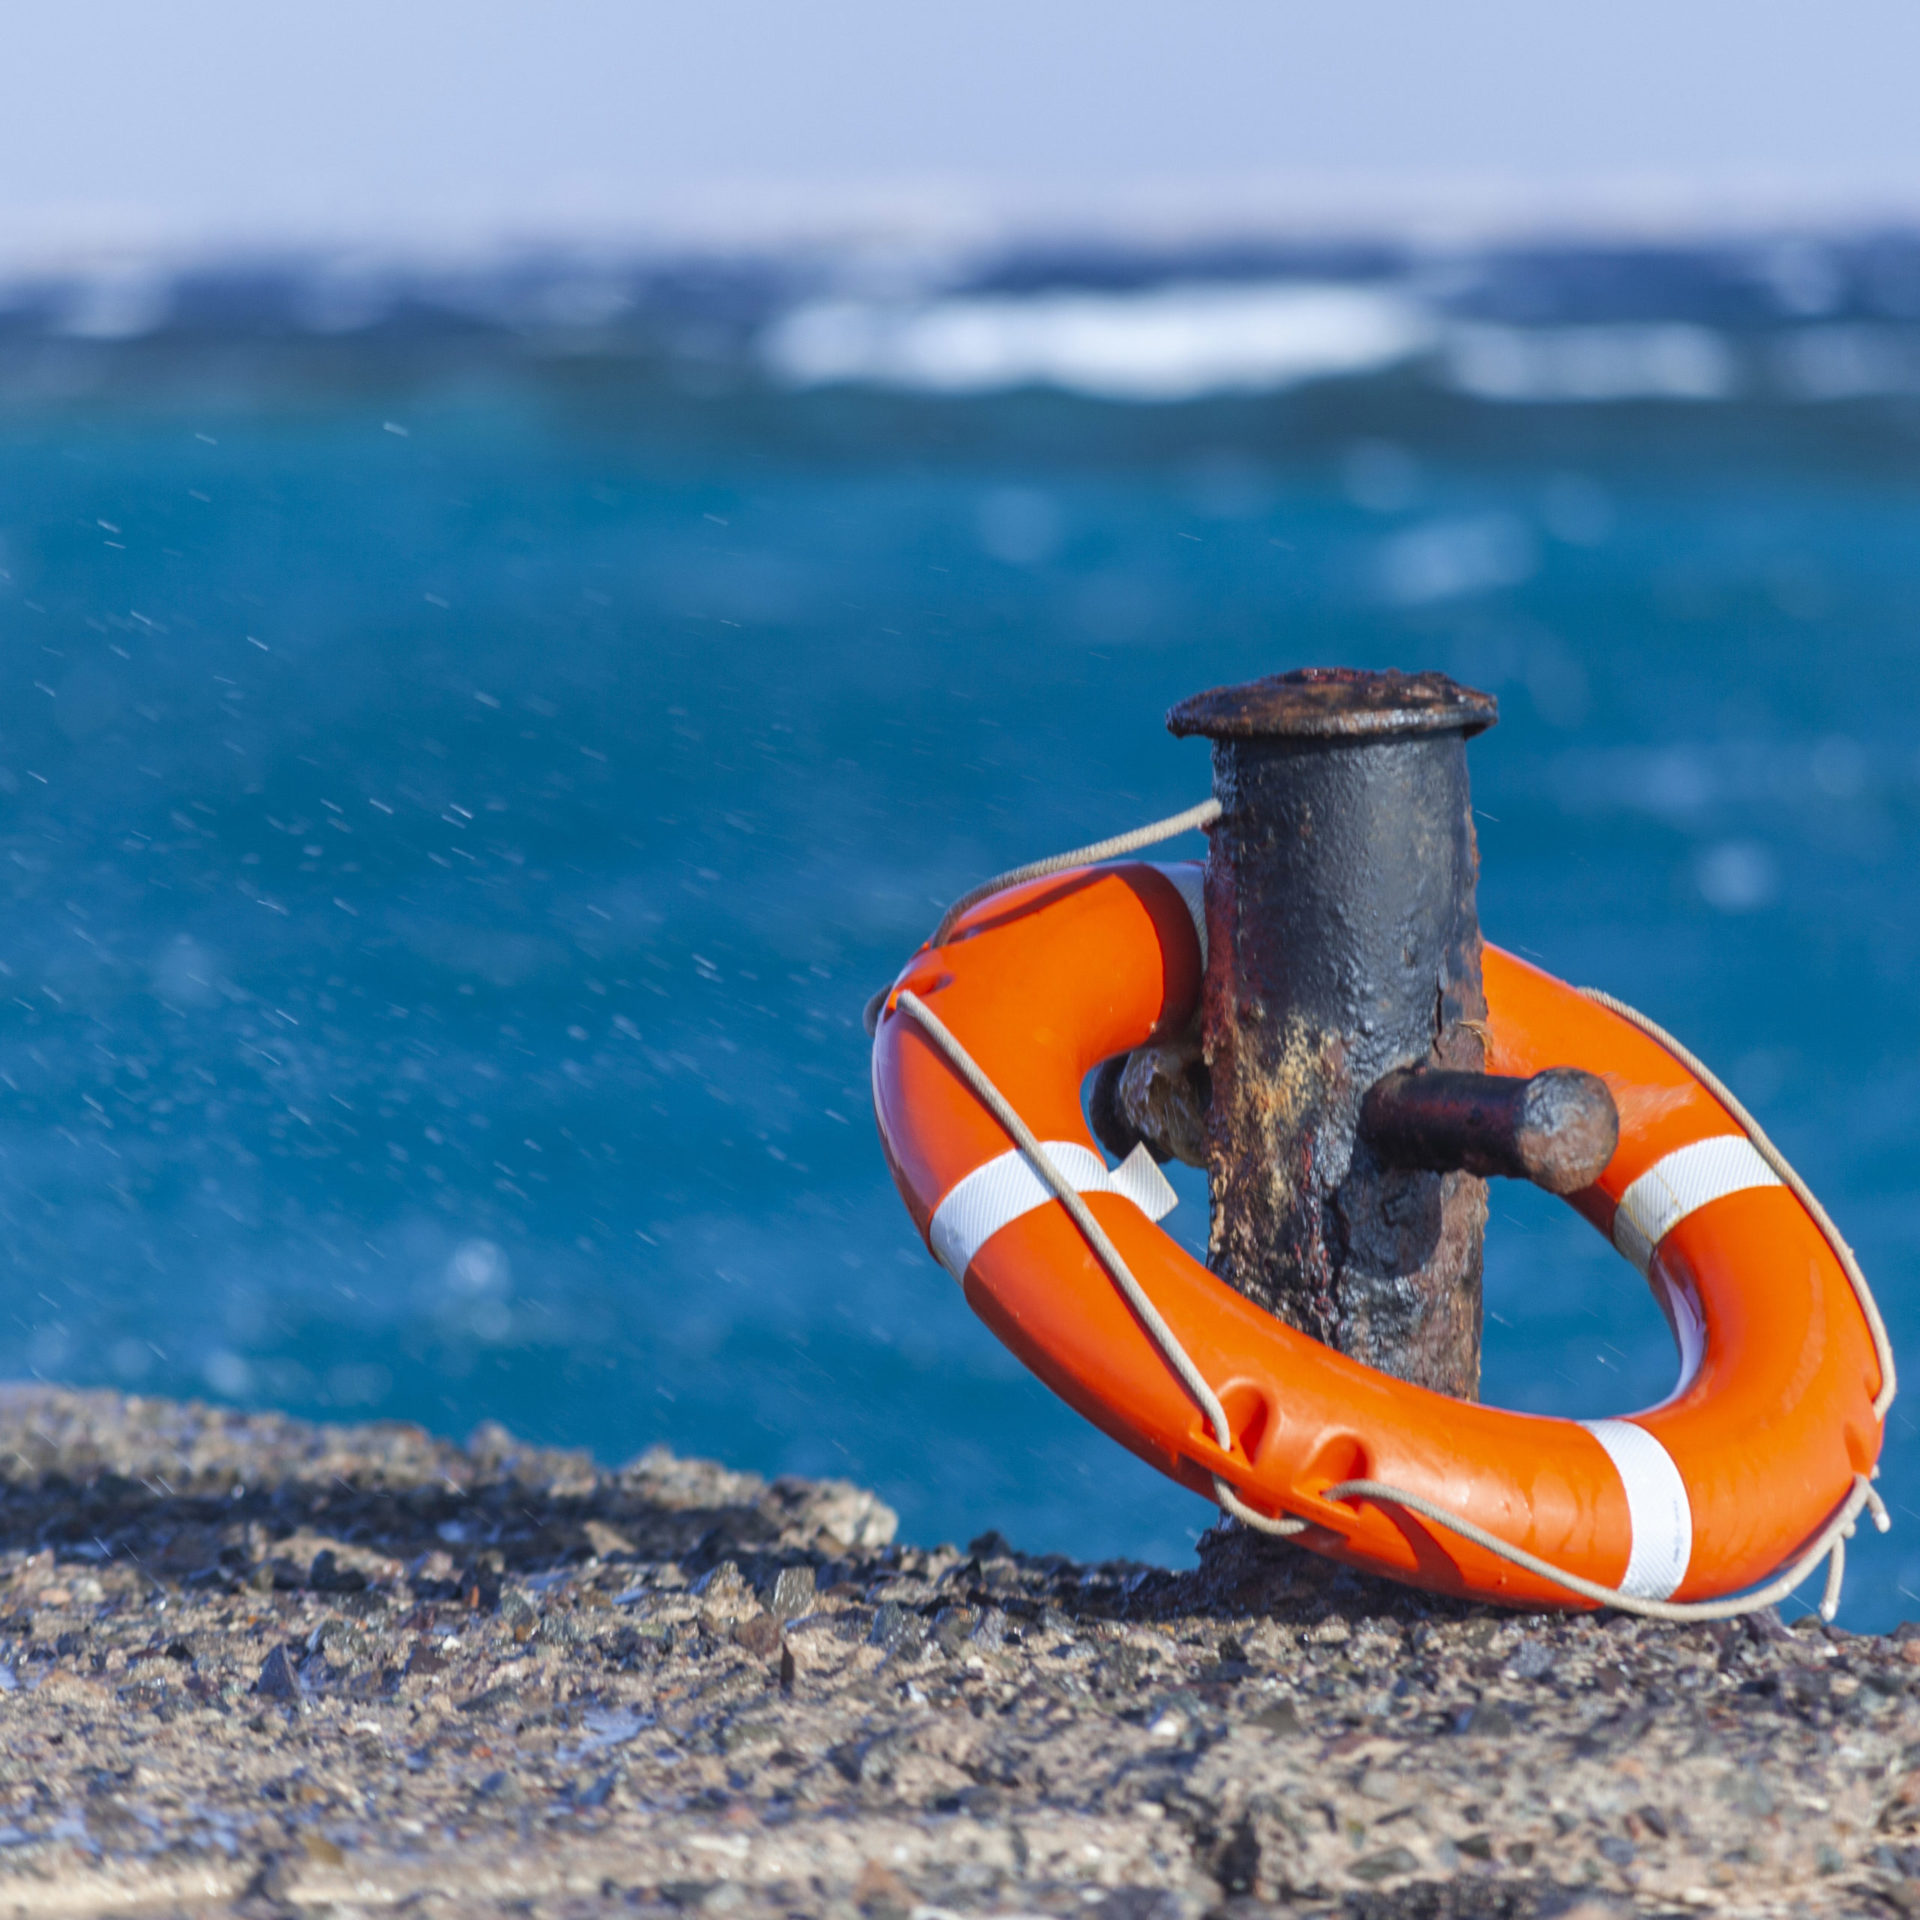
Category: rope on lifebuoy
[1764,1147]
[996,1103]
[1829,1543]
[1151,835]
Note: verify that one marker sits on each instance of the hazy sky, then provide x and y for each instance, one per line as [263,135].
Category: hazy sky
[384,119]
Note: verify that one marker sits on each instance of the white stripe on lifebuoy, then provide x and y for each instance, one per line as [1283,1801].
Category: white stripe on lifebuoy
[1191,881]
[1657,1508]
[997,1194]
[1681,1305]
[1685,1181]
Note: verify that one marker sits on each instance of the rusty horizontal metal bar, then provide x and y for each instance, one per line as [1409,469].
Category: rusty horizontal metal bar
[1557,1129]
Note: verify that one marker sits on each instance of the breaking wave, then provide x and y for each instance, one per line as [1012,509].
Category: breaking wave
[1160,343]
[1572,325]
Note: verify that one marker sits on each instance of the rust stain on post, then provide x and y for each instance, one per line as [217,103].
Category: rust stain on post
[1343,946]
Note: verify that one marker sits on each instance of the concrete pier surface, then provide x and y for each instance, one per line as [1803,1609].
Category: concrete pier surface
[257,1667]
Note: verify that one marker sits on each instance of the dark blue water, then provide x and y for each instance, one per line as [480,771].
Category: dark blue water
[455,798]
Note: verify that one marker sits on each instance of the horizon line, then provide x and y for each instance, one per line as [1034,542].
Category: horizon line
[963,216]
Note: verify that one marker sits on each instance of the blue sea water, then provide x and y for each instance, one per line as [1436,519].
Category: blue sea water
[461,774]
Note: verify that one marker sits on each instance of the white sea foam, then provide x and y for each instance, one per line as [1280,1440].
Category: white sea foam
[1632,361]
[1183,342]
[899,320]
[1454,558]
[118,303]
[1847,362]
[1162,343]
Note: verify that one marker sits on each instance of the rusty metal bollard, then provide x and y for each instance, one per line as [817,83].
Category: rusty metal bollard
[1347,1121]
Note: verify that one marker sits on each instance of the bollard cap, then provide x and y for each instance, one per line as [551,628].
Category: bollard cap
[1335,703]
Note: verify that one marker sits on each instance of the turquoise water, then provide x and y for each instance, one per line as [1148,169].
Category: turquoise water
[450,822]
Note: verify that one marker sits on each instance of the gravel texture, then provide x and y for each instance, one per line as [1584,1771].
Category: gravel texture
[259,1667]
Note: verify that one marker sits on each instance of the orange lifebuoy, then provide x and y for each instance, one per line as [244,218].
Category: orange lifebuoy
[1744,1464]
